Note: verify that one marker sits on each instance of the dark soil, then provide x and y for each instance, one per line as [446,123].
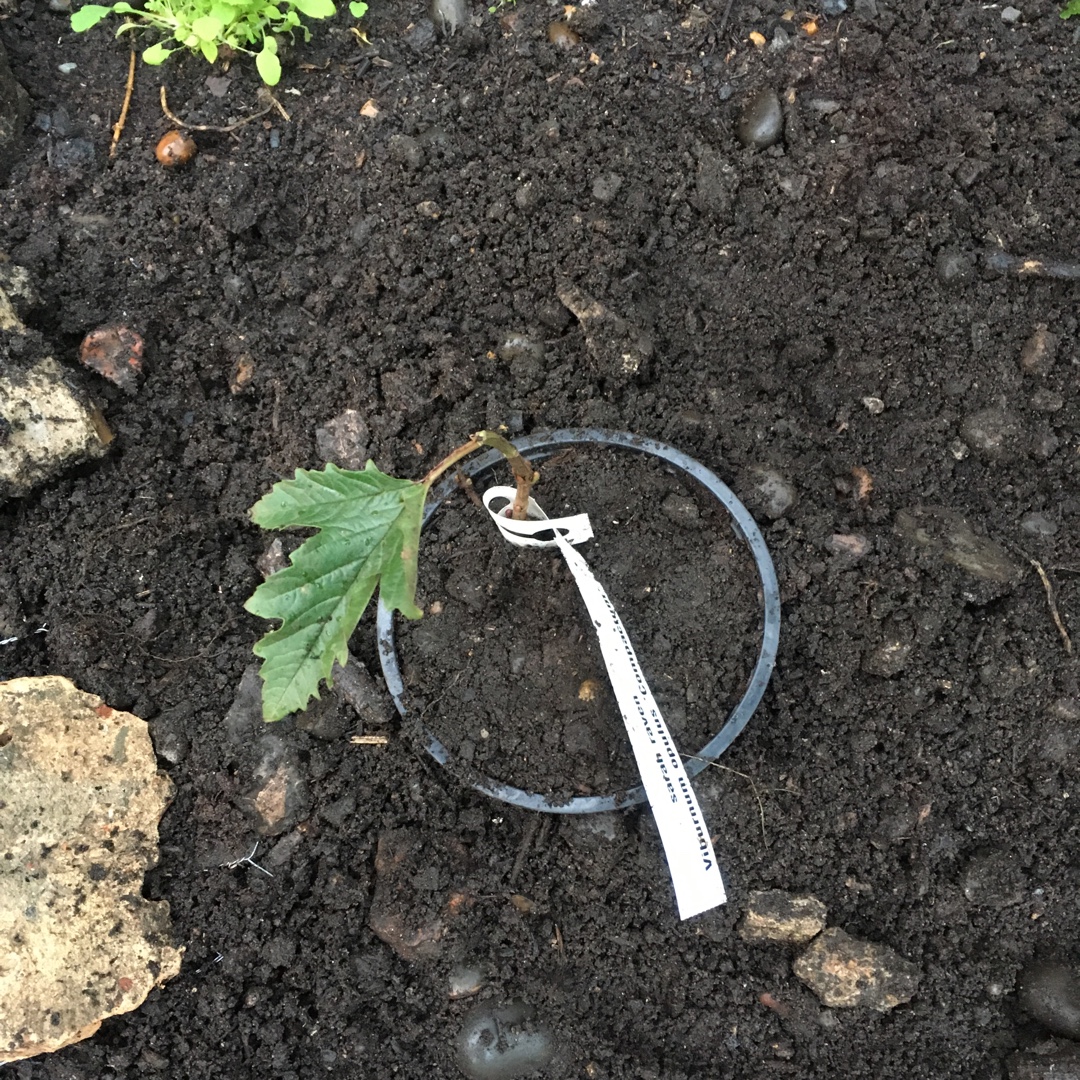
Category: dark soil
[923,729]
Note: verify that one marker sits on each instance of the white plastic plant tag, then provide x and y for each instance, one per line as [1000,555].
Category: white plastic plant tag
[692,863]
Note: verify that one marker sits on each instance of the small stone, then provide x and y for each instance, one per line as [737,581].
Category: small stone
[272,559]
[761,122]
[1036,524]
[1050,993]
[682,510]
[559,33]
[405,150]
[410,923]
[68,68]
[606,187]
[1048,401]
[503,1042]
[1039,352]
[873,405]
[994,879]
[847,973]
[520,349]
[954,268]
[768,491]
[947,534]
[775,915]
[528,196]
[833,7]
[848,545]
[466,980]
[1011,15]
[891,656]
[344,440]
[115,353]
[992,433]
[428,209]
[48,425]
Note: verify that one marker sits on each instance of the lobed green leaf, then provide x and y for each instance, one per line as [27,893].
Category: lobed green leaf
[88,15]
[369,534]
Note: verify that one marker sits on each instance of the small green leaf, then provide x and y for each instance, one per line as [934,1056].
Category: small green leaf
[1070,9]
[315,9]
[268,64]
[357,8]
[369,534]
[208,29]
[88,15]
[157,54]
[209,49]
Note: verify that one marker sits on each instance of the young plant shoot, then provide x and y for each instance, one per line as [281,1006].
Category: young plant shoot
[369,533]
[206,26]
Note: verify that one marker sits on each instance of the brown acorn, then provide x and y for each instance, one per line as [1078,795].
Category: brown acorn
[175,148]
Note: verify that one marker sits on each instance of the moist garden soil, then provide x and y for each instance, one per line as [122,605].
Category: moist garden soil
[824,324]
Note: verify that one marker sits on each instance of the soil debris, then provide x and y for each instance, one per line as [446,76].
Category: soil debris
[847,973]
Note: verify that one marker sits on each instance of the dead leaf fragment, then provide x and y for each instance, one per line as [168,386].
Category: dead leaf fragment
[369,109]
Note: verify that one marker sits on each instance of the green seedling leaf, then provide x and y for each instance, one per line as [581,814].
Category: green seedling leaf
[157,54]
[88,15]
[369,531]
[315,9]
[269,65]
[357,8]
[209,29]
[1070,9]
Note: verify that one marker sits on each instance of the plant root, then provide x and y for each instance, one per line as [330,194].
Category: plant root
[1032,266]
[118,128]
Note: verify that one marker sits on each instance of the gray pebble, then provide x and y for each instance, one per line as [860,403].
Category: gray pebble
[606,187]
[448,15]
[527,197]
[67,69]
[501,1043]
[1047,401]
[761,122]
[518,348]
[768,492]
[1050,992]
[991,433]
[833,7]
[1039,352]
[405,150]
[237,288]
[1011,15]
[681,510]
[954,267]
[1036,524]
[344,440]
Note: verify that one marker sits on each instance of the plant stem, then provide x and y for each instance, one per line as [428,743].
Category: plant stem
[524,474]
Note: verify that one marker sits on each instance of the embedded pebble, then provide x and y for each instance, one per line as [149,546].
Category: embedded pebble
[845,972]
[954,267]
[1050,993]
[768,491]
[994,879]
[464,980]
[344,440]
[945,533]
[1047,401]
[559,33]
[992,433]
[1010,15]
[761,122]
[518,348]
[606,187]
[503,1042]
[891,656]
[833,7]
[67,69]
[1036,524]
[1039,352]
[448,15]
[682,510]
[849,545]
[775,915]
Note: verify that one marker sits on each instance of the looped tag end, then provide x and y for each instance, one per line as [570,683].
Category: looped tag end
[538,530]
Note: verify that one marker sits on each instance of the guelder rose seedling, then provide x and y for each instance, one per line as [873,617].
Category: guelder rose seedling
[369,533]
[206,26]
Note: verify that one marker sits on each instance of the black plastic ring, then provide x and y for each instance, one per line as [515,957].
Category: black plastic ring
[543,445]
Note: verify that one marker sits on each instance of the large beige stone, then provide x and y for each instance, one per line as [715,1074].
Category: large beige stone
[80,801]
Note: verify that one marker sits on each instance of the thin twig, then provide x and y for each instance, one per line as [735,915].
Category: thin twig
[1052,602]
[724,20]
[274,104]
[753,787]
[118,128]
